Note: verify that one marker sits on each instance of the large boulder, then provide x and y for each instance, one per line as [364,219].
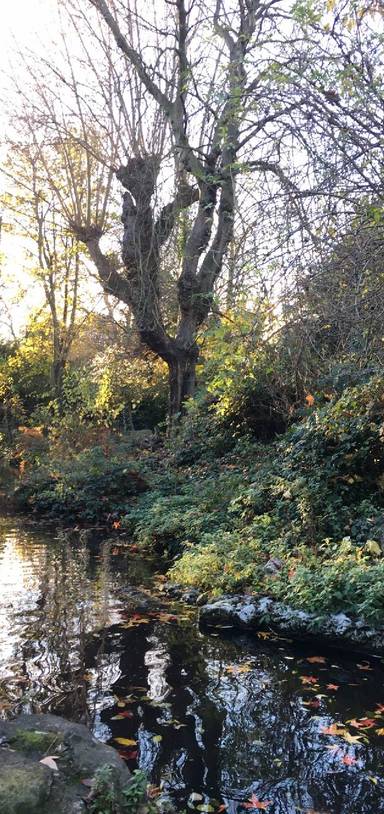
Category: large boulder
[28,786]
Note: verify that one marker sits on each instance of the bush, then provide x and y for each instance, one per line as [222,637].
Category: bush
[90,487]
[322,483]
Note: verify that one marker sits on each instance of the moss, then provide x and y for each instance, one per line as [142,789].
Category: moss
[34,741]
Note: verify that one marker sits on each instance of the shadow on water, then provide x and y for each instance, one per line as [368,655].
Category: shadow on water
[213,719]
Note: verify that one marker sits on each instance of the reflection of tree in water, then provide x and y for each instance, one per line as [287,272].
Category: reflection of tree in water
[71,601]
[243,732]
[246,733]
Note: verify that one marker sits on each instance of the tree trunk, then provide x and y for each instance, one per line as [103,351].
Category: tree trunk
[182,382]
[57,375]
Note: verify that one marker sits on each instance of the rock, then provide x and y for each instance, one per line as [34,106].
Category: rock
[273,566]
[24,786]
[173,589]
[138,601]
[190,596]
[29,787]
[254,613]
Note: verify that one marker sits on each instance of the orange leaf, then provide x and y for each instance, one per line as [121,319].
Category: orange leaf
[317,660]
[334,729]
[310,400]
[254,802]
[363,723]
[332,686]
[348,761]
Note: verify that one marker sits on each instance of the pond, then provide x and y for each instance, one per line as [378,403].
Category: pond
[219,721]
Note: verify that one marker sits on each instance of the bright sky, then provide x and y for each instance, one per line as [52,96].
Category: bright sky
[23,24]
[23,20]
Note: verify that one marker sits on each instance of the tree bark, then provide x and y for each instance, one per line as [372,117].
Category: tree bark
[182,382]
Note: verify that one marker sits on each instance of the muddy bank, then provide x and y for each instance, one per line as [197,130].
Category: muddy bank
[252,614]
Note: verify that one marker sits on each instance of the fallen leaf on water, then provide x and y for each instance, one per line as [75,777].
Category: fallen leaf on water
[122,715]
[348,761]
[166,617]
[364,666]
[265,634]
[157,738]
[380,731]
[334,729]
[234,669]
[205,807]
[132,755]
[379,708]
[317,660]
[254,802]
[362,723]
[153,791]
[373,780]
[125,741]
[134,623]
[352,738]
[195,796]
[223,807]
[50,761]
[120,704]
[333,686]
[308,680]
[315,703]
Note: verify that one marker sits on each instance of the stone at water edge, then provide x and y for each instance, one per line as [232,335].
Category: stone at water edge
[254,614]
[24,742]
[24,786]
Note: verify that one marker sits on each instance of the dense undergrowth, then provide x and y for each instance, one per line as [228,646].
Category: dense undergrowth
[312,500]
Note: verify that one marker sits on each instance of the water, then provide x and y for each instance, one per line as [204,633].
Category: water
[212,718]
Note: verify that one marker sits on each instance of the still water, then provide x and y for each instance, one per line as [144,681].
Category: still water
[219,721]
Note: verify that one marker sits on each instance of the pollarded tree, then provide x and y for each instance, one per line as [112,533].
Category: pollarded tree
[181,101]
[181,95]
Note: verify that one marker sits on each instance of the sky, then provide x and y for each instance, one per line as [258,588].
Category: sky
[23,24]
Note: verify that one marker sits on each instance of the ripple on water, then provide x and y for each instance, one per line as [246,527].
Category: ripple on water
[215,720]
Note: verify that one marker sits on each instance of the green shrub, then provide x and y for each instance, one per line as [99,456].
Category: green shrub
[89,487]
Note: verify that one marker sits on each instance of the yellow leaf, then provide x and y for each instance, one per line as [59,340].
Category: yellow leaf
[125,741]
[373,548]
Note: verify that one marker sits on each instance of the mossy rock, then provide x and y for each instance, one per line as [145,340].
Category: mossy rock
[30,787]
[27,741]
[24,787]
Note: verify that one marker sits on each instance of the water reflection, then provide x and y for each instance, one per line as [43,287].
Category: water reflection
[213,720]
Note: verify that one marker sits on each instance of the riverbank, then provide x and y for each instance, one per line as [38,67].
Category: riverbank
[298,520]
